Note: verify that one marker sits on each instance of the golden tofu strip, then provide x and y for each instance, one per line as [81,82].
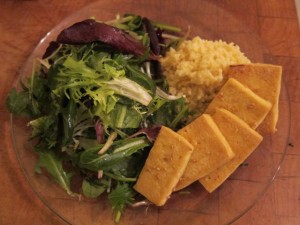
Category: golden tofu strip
[241,101]
[265,81]
[211,150]
[164,166]
[242,139]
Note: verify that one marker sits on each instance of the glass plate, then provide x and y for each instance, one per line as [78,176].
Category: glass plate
[229,202]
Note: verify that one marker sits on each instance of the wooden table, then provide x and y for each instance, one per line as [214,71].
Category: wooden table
[24,23]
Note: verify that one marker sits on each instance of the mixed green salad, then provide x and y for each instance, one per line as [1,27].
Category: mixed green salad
[96,101]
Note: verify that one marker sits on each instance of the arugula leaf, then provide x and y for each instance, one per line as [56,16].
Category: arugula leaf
[68,116]
[130,167]
[120,177]
[120,150]
[121,196]
[53,166]
[170,113]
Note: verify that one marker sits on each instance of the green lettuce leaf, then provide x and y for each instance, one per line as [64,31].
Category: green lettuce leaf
[124,116]
[91,190]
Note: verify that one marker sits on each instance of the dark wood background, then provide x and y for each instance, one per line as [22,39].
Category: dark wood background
[24,23]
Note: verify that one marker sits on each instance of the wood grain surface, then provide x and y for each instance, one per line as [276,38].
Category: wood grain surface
[24,22]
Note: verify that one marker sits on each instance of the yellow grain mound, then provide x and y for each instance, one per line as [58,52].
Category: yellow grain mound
[195,69]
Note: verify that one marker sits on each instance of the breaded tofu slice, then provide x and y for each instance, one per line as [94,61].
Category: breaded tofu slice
[265,81]
[241,101]
[243,141]
[164,166]
[211,150]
